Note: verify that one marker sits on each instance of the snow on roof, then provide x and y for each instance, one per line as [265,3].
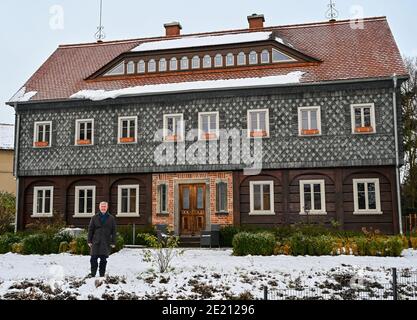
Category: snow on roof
[202,41]
[6,136]
[97,95]
[23,96]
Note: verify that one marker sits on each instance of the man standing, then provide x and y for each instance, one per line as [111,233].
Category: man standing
[101,238]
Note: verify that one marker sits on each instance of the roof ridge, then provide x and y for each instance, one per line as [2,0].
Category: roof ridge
[231,31]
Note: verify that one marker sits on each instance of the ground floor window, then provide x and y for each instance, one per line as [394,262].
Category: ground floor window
[128,201]
[43,201]
[163,198]
[366,196]
[85,200]
[262,197]
[221,197]
[312,197]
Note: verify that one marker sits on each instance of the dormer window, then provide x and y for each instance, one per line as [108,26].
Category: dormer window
[130,67]
[173,64]
[162,65]
[265,56]
[278,56]
[218,60]
[230,60]
[207,61]
[152,66]
[253,57]
[117,70]
[241,59]
[141,66]
[184,63]
[195,64]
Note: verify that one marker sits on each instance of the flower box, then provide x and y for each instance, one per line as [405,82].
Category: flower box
[127,140]
[209,136]
[364,129]
[83,142]
[41,144]
[172,138]
[310,132]
[258,134]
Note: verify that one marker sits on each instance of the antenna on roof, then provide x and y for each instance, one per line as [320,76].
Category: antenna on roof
[100,35]
[332,14]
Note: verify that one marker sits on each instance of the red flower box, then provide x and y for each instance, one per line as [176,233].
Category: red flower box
[209,136]
[310,132]
[172,138]
[41,144]
[364,129]
[127,140]
[84,142]
[258,134]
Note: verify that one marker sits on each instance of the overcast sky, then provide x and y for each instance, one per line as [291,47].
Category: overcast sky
[31,30]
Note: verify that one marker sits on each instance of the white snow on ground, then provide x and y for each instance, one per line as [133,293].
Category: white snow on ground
[96,95]
[202,41]
[198,274]
[6,136]
[23,96]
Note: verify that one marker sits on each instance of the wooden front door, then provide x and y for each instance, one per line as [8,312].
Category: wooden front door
[192,208]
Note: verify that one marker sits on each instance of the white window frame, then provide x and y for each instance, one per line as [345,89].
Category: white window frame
[164,62]
[42,214]
[231,64]
[256,55]
[363,105]
[357,211]
[171,62]
[216,65]
[252,202]
[195,62]
[159,210]
[36,131]
[200,125]
[119,201]
[322,184]
[249,112]
[182,63]
[205,59]
[262,56]
[240,55]
[165,125]
[153,62]
[141,67]
[120,129]
[77,213]
[77,131]
[300,120]
[130,64]
[290,59]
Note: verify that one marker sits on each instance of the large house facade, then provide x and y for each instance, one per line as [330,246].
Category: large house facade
[261,126]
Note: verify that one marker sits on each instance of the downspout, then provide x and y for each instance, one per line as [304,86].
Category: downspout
[16,163]
[397,154]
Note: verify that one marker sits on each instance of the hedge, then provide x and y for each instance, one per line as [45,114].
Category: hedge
[246,243]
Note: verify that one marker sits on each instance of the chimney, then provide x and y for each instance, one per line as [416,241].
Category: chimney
[173,29]
[256,21]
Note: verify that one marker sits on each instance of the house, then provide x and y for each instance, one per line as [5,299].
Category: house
[261,126]
[7,180]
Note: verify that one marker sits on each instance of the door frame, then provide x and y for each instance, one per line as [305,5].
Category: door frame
[177,218]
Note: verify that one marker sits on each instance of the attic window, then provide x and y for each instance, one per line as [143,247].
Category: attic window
[230,59]
[207,61]
[117,70]
[253,57]
[130,67]
[152,66]
[265,56]
[184,63]
[278,56]
[218,60]
[141,66]
[241,59]
[195,64]
[173,64]
[163,65]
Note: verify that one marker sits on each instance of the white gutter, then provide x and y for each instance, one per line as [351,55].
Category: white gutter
[397,154]
[16,162]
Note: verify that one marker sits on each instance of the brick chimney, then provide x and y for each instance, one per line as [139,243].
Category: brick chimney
[173,29]
[256,21]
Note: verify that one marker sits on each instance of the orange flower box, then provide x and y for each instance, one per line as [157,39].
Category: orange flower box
[310,132]
[127,140]
[84,142]
[173,138]
[364,129]
[208,136]
[41,144]
[259,134]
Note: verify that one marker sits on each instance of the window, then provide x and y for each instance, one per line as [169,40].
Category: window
[84,132]
[43,202]
[141,66]
[173,127]
[312,197]
[309,122]
[162,65]
[85,201]
[130,67]
[208,125]
[127,129]
[253,57]
[265,56]
[117,70]
[195,64]
[230,60]
[367,198]
[184,63]
[221,197]
[262,197]
[278,56]
[258,123]
[207,61]
[128,201]
[241,59]
[163,198]
[152,66]
[363,118]
[218,60]
[42,134]
[173,64]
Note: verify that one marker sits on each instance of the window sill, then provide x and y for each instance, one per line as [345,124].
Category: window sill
[162,213]
[321,213]
[78,215]
[222,213]
[128,215]
[367,213]
[41,216]
[262,213]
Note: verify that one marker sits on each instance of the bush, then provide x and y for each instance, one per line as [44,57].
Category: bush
[38,244]
[226,235]
[63,247]
[126,231]
[246,243]
[7,211]
[80,245]
[7,240]
[17,248]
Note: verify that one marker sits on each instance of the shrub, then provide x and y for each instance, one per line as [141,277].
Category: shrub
[226,235]
[50,226]
[394,247]
[413,242]
[80,245]
[246,243]
[17,248]
[7,211]
[120,243]
[126,231]
[38,244]
[63,247]
[7,240]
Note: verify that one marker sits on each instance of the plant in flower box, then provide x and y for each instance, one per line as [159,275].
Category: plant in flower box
[41,144]
[364,129]
[127,140]
[258,134]
[310,132]
[208,136]
[84,142]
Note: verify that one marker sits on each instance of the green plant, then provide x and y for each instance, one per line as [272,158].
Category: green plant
[120,242]
[245,243]
[7,240]
[126,231]
[63,247]
[226,235]
[7,211]
[50,226]
[394,247]
[80,245]
[38,244]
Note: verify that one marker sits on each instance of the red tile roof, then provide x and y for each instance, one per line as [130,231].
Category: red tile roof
[345,52]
